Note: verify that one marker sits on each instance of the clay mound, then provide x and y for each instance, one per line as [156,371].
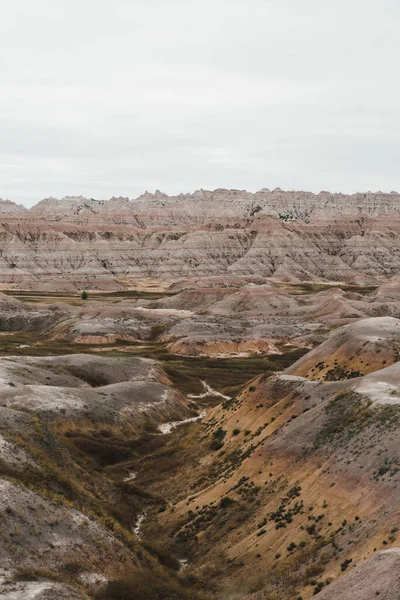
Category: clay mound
[20,316]
[337,307]
[97,322]
[107,330]
[98,371]
[254,301]
[9,303]
[353,350]
[221,347]
[78,370]
[132,392]
[194,300]
[388,291]
[377,577]
[50,286]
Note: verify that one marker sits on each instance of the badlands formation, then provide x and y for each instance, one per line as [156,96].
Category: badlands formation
[220,418]
[85,243]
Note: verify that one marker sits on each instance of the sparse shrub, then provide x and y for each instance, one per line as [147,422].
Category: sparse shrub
[219,434]
[261,532]
[226,502]
[318,587]
[262,523]
[311,529]
[345,564]
[149,585]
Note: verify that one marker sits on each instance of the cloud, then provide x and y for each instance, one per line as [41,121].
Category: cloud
[102,98]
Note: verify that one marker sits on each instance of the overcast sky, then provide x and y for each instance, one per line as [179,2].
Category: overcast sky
[102,98]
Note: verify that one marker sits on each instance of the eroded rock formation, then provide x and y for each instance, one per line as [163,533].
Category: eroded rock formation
[77,242]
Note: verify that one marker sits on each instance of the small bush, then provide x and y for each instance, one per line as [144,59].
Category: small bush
[218,437]
[226,502]
[345,564]
[261,532]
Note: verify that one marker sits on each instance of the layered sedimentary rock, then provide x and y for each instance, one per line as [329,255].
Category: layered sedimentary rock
[106,244]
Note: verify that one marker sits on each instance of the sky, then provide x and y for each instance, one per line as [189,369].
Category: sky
[112,98]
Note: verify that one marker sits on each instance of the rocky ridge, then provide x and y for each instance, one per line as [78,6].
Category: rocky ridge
[80,242]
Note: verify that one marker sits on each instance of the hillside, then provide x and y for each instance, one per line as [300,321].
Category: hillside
[299,481]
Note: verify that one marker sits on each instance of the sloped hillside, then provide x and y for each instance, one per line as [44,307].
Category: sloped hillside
[63,421]
[298,482]
[378,577]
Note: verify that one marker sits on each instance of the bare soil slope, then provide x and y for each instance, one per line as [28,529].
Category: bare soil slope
[299,480]
[378,577]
